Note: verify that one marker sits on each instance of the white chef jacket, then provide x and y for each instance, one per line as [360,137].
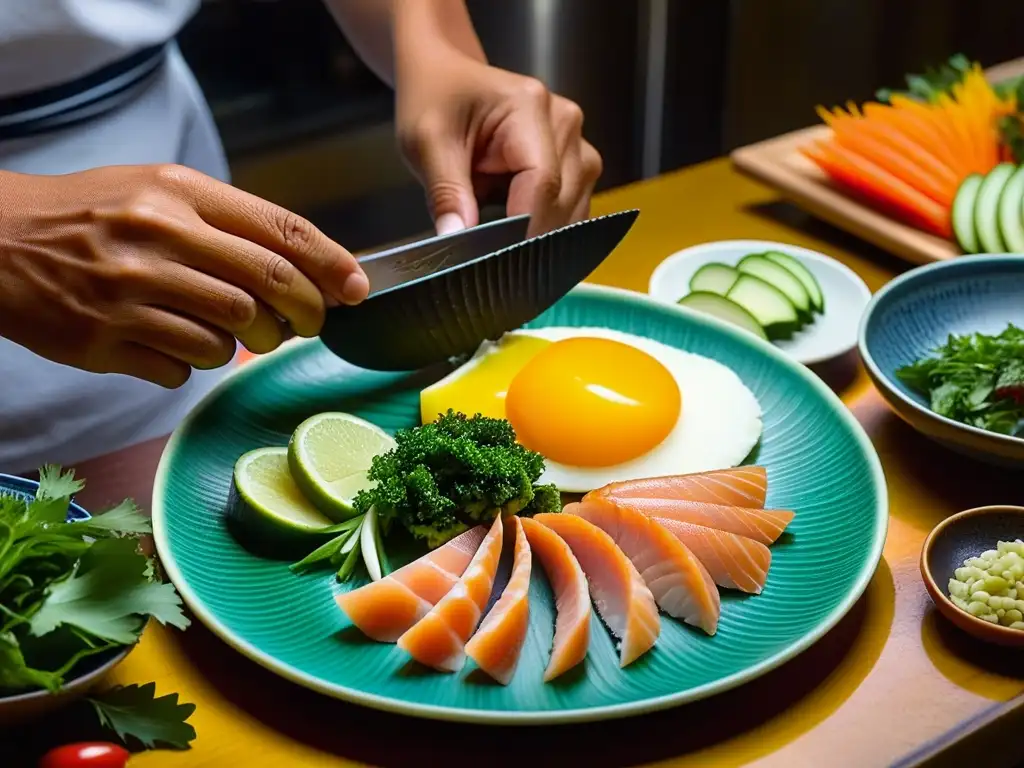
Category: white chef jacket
[50,412]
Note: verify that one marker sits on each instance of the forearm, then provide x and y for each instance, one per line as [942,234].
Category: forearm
[378,29]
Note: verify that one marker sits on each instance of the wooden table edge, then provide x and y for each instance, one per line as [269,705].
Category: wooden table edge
[996,728]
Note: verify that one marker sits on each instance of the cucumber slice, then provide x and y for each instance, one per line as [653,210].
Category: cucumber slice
[803,274]
[780,277]
[725,309]
[769,306]
[714,278]
[963,213]
[1011,219]
[986,208]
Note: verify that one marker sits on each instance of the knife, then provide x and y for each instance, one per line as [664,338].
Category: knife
[404,264]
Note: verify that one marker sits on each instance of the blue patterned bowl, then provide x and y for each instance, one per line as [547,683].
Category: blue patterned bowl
[916,312]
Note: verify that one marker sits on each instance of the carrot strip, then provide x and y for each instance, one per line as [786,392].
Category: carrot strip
[896,139]
[917,129]
[881,187]
[955,149]
[866,146]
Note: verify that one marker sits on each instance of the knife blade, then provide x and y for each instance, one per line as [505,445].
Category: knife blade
[395,267]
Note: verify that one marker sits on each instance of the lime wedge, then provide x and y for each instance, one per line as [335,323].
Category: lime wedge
[266,509]
[330,454]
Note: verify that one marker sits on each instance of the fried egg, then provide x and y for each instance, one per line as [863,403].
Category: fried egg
[604,406]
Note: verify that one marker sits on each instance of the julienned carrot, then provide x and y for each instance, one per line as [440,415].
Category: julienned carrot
[880,186]
[918,130]
[925,182]
[959,119]
[882,130]
[956,149]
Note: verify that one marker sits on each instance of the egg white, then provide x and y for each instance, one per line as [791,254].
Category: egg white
[720,422]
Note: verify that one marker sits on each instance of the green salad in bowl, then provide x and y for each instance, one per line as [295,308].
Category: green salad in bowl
[76,592]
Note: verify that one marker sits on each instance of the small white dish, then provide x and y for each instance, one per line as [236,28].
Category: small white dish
[831,334]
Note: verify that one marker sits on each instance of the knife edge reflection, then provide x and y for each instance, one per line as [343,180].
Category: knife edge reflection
[404,264]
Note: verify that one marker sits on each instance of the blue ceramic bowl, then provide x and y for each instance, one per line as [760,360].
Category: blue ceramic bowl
[22,707]
[916,312]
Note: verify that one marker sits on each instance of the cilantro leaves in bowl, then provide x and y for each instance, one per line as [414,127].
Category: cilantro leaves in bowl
[73,591]
[975,379]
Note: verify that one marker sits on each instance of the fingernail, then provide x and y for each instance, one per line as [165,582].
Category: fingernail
[449,222]
[355,289]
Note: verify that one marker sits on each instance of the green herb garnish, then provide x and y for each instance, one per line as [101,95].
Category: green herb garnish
[974,379]
[453,473]
[72,590]
[934,81]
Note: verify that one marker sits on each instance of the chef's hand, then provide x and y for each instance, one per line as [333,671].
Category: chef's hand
[466,127]
[151,271]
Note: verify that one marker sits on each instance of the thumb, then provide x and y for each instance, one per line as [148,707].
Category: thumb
[445,168]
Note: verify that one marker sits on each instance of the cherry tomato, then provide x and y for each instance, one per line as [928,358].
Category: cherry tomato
[86,754]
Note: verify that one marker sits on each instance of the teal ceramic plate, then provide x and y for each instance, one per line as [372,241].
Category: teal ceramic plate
[819,463]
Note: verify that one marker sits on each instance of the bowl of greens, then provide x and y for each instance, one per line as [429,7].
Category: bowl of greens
[76,591]
[944,345]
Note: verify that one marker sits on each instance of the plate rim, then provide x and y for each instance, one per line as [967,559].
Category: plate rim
[539,717]
[819,257]
[876,373]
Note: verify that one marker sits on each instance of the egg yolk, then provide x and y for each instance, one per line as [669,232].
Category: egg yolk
[592,402]
[482,386]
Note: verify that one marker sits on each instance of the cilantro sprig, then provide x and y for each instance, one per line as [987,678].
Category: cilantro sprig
[71,590]
[975,379]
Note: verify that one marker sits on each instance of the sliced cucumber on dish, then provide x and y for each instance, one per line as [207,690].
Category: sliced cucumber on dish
[781,278]
[773,295]
[1011,212]
[803,274]
[724,309]
[963,213]
[986,208]
[772,308]
[714,278]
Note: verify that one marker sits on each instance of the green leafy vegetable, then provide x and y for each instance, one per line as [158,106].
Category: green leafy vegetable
[108,594]
[975,379]
[933,82]
[136,712]
[448,475]
[72,590]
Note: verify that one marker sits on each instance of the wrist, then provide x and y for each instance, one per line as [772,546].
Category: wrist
[423,29]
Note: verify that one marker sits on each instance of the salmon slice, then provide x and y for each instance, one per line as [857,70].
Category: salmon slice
[497,644]
[734,562]
[623,600]
[763,525]
[737,487]
[385,609]
[681,585]
[572,601]
[438,640]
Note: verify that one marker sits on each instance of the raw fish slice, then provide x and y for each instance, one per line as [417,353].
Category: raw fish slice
[572,601]
[438,640]
[763,525]
[385,609]
[737,487]
[622,599]
[681,586]
[734,562]
[496,645]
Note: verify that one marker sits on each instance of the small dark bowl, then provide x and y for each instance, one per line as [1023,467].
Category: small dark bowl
[449,313]
[957,538]
[23,707]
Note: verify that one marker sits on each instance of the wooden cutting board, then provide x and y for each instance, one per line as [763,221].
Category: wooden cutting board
[778,163]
